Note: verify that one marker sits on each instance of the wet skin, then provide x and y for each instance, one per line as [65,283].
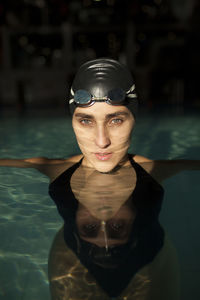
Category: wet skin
[103,134]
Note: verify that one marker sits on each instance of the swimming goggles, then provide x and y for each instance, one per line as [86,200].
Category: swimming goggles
[115,96]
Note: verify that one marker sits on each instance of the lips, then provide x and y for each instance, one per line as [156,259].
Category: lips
[103,155]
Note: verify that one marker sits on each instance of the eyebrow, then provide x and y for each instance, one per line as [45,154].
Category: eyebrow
[108,116]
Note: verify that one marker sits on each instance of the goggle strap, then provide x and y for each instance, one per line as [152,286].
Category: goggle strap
[72,92]
[132,96]
[71,101]
[132,88]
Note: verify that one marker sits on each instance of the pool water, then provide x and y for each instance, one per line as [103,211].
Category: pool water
[29,219]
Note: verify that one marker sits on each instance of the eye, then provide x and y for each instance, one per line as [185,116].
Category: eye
[117,229]
[85,122]
[90,227]
[117,121]
[90,230]
[116,226]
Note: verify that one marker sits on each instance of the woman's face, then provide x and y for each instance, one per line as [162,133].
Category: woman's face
[103,133]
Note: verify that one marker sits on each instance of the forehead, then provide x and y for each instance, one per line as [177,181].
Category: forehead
[102,109]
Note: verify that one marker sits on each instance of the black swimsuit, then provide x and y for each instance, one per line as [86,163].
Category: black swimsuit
[145,241]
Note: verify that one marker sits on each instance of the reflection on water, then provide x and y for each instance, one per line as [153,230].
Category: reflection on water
[112,235]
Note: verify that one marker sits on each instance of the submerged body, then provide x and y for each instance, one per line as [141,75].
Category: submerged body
[70,279]
[138,259]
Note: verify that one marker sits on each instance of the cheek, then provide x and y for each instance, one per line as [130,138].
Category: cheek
[81,132]
[122,135]
[84,139]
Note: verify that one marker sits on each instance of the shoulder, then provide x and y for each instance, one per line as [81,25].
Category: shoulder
[73,159]
[57,169]
[141,159]
[158,169]
[53,161]
[52,168]
[147,164]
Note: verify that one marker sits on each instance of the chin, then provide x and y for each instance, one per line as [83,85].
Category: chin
[104,167]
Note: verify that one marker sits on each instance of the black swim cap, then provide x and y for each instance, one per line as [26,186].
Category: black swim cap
[103,79]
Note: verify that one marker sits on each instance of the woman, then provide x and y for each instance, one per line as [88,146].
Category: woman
[103,104]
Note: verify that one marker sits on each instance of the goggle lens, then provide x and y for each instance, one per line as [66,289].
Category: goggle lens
[115,96]
[82,97]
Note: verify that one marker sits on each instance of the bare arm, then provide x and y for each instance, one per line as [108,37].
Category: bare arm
[44,165]
[28,162]
[50,167]
[163,169]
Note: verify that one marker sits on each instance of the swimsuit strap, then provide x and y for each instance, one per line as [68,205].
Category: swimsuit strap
[136,166]
[68,172]
[141,172]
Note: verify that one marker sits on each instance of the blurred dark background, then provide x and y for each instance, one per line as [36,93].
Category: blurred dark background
[42,43]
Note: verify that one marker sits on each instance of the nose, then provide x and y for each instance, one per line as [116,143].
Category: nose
[102,138]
